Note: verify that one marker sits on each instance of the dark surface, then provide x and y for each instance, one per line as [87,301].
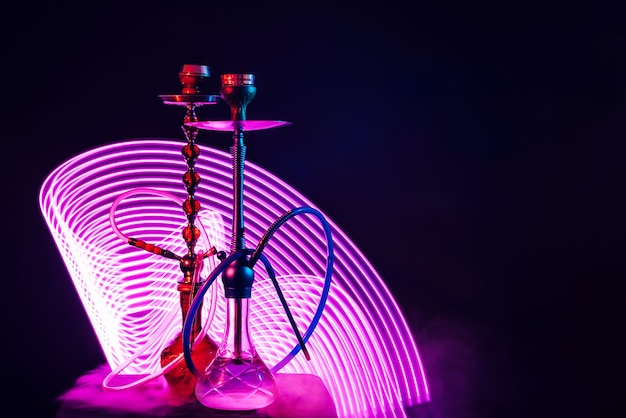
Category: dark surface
[474,152]
[298,395]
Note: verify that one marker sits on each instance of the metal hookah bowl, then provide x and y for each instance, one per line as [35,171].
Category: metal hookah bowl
[191,76]
[237,90]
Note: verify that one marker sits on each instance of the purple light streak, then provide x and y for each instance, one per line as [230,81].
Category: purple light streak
[362,347]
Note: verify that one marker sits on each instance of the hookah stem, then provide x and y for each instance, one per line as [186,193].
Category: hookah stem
[190,207]
[238,151]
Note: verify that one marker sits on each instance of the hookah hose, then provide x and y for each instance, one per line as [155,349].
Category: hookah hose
[106,383]
[255,256]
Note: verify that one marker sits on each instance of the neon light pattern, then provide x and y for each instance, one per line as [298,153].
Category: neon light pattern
[362,348]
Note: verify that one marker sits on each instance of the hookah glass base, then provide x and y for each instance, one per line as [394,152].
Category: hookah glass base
[179,378]
[237,379]
[232,384]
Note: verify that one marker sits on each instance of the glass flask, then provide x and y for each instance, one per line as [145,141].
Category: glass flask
[237,379]
[180,379]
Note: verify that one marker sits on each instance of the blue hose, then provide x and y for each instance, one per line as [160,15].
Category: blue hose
[256,255]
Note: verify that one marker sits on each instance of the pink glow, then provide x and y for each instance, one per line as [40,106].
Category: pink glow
[362,348]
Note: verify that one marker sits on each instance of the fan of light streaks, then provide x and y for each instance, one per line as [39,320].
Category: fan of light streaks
[362,347]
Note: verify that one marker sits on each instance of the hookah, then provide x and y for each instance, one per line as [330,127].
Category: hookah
[179,379]
[231,375]
[237,378]
[174,370]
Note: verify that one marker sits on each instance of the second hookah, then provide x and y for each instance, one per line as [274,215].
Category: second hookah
[237,378]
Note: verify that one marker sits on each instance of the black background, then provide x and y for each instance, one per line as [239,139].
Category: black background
[473,151]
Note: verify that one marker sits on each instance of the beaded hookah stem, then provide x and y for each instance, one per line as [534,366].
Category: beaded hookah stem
[191,179]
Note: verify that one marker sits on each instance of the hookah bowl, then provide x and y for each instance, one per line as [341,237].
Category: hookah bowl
[237,378]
